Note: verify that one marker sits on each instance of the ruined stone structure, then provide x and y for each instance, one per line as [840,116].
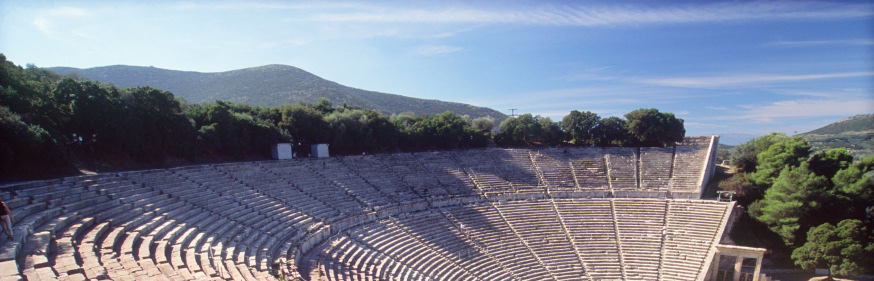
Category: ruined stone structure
[480,214]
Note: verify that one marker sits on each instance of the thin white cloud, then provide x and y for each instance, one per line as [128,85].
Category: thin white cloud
[583,15]
[704,125]
[836,93]
[263,5]
[433,50]
[719,108]
[47,21]
[713,82]
[43,24]
[69,12]
[821,43]
[804,108]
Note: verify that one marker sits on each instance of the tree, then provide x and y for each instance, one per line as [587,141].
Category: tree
[551,133]
[484,124]
[162,127]
[27,150]
[231,130]
[649,127]
[744,155]
[610,132]
[521,130]
[793,202]
[305,124]
[844,249]
[580,127]
[790,152]
[324,106]
[827,163]
[855,186]
[745,189]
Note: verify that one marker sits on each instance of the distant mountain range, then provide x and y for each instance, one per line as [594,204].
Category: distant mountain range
[855,133]
[858,123]
[269,85]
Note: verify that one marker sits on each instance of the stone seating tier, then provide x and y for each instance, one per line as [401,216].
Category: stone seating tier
[253,220]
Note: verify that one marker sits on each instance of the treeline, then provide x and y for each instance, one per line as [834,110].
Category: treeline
[821,205]
[641,127]
[51,124]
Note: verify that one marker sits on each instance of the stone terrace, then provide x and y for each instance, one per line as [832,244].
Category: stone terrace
[428,215]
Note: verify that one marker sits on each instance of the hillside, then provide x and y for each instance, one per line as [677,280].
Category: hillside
[269,85]
[858,123]
[856,134]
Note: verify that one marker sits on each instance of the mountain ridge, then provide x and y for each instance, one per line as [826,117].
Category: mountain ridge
[855,133]
[269,85]
[855,123]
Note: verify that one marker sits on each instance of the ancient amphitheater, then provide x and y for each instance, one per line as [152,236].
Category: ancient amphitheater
[484,214]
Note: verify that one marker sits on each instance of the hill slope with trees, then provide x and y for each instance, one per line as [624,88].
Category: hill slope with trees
[269,85]
[858,123]
[855,133]
[54,125]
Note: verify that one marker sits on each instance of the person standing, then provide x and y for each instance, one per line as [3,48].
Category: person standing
[6,219]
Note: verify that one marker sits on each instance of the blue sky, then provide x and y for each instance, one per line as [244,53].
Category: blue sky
[741,67]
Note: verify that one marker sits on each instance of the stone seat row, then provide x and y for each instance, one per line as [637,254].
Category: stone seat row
[252,215]
[484,241]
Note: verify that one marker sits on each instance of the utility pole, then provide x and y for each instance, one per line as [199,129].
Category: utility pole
[513,112]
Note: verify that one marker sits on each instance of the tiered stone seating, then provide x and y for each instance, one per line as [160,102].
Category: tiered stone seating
[639,225]
[412,171]
[655,166]
[444,168]
[484,224]
[408,216]
[545,237]
[519,169]
[500,171]
[590,225]
[589,168]
[555,166]
[570,239]
[299,187]
[622,165]
[690,229]
[373,170]
[688,164]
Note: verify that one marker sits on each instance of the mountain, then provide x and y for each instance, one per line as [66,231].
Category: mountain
[269,85]
[856,134]
[858,123]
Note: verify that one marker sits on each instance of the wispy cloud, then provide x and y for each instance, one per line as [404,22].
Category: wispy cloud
[587,15]
[803,108]
[704,125]
[46,22]
[266,5]
[821,43]
[829,93]
[433,50]
[713,82]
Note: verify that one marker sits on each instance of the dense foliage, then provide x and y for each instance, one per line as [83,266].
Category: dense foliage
[744,155]
[50,122]
[67,122]
[819,205]
[779,156]
[844,249]
[649,127]
[642,127]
